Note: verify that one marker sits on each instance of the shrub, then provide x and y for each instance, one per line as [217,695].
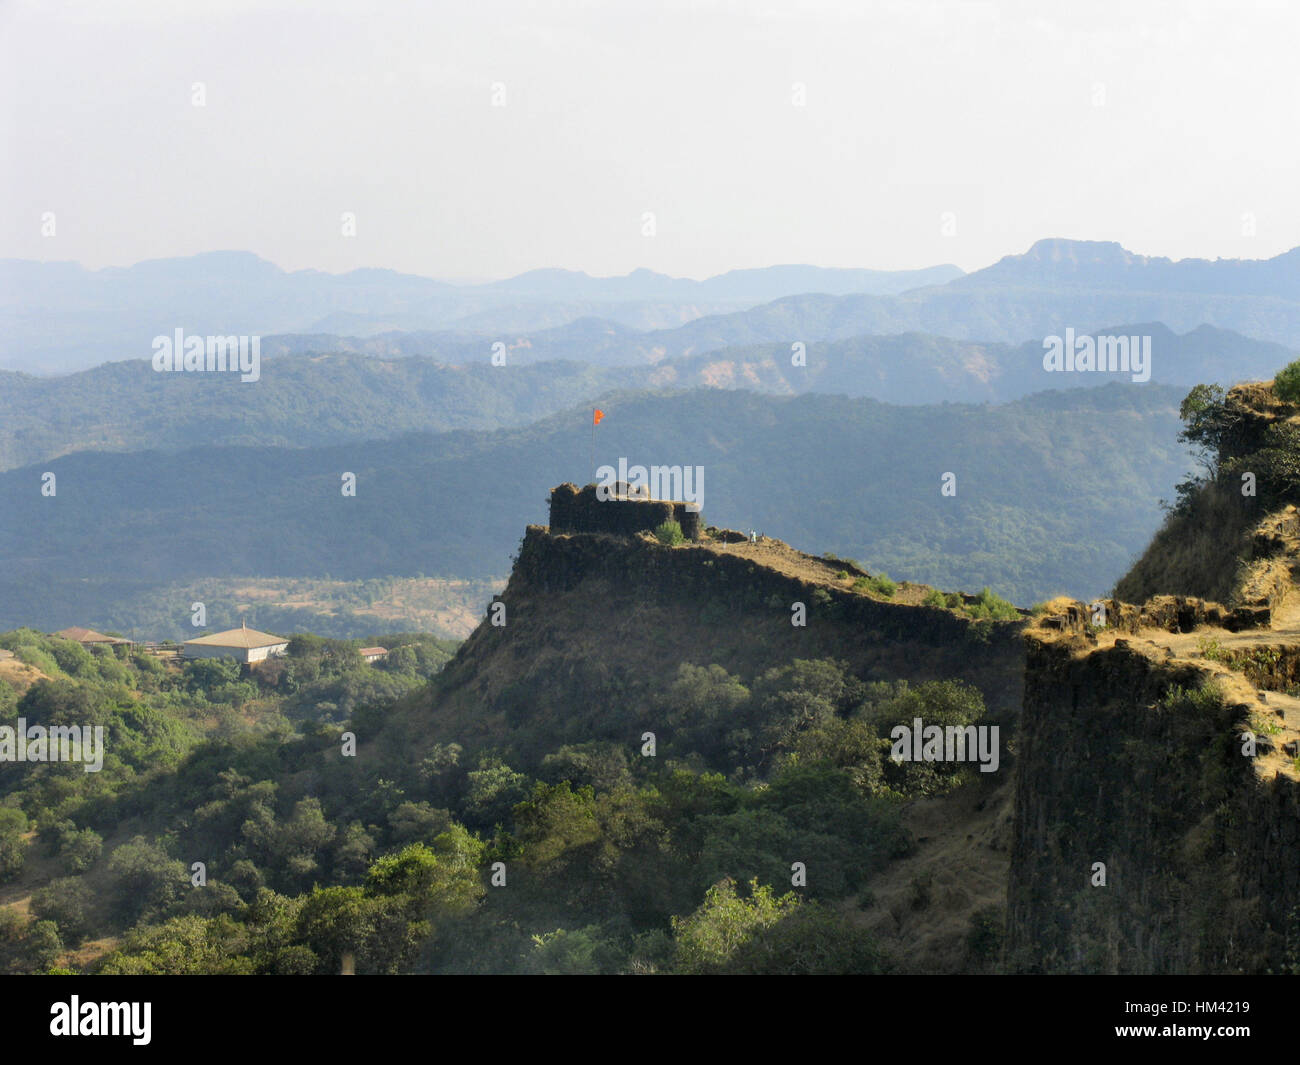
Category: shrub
[879,584]
[669,534]
[935,598]
[725,921]
[1205,699]
[988,606]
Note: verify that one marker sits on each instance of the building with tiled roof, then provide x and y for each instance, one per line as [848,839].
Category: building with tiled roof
[243,644]
[87,637]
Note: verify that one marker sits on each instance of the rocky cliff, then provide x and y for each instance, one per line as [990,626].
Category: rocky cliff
[1156,814]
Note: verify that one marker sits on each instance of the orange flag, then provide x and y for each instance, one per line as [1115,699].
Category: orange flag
[597,415]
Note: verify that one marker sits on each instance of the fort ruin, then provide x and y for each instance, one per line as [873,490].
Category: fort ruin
[575,510]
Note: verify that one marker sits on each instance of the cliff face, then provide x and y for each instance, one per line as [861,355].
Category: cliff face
[1164,742]
[1127,760]
[594,629]
[595,620]
[1123,744]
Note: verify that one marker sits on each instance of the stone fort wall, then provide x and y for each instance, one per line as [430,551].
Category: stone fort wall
[582,511]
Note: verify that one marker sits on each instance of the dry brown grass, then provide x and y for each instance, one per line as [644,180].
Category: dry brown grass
[20,675]
[424,604]
[1200,553]
[964,856]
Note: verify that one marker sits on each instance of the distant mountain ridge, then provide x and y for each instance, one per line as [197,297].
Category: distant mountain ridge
[1108,265]
[1084,285]
[1058,284]
[60,316]
[365,388]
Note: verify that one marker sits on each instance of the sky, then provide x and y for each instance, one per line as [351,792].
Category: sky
[476,140]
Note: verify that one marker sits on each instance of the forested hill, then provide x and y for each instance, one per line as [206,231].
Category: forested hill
[320,391]
[1054,493]
[340,808]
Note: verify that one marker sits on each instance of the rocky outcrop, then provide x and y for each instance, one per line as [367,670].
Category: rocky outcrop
[1169,613]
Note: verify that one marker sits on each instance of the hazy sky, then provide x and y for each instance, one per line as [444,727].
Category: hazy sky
[1155,124]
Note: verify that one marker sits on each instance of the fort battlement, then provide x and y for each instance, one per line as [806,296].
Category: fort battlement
[575,510]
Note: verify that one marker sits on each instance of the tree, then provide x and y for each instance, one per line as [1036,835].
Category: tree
[354,849]
[205,675]
[810,940]
[555,820]
[40,948]
[1207,425]
[64,902]
[494,790]
[1286,385]
[418,822]
[724,923]
[295,844]
[63,702]
[575,952]
[335,921]
[184,946]
[79,848]
[13,847]
[148,878]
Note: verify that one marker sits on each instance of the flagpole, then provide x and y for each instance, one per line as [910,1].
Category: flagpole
[593,446]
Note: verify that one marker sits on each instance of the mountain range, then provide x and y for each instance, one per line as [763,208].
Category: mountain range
[59,316]
[55,317]
[315,400]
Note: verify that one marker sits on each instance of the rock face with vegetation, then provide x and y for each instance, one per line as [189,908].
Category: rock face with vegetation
[1157,825]
[1145,841]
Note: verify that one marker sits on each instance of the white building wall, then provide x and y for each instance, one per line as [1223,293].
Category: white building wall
[240,654]
[261,654]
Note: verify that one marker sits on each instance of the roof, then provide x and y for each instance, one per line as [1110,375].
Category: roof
[242,637]
[374,651]
[76,632]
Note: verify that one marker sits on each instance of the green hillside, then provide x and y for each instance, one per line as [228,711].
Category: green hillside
[750,839]
[308,398]
[1054,493]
